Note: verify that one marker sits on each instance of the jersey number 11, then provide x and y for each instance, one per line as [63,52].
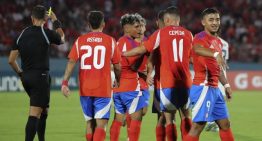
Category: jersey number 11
[178,50]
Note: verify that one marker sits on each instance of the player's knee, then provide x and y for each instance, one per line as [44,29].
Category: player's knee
[196,129]
[225,125]
[144,111]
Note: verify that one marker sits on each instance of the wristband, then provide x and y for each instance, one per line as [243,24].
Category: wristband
[226,85]
[64,83]
[57,24]
[215,54]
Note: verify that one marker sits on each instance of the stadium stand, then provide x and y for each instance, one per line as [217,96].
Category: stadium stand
[241,21]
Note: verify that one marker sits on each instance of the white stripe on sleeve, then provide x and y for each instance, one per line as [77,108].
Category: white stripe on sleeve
[157,42]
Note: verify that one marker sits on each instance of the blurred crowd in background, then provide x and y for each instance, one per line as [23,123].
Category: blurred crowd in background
[241,21]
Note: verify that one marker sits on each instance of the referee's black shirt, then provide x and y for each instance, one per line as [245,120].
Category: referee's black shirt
[33,45]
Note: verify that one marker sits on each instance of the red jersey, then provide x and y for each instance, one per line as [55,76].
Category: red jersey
[129,80]
[156,64]
[206,69]
[95,52]
[175,44]
[143,68]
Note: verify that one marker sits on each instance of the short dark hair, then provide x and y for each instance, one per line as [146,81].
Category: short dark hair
[209,11]
[128,19]
[141,19]
[95,19]
[160,15]
[39,12]
[173,10]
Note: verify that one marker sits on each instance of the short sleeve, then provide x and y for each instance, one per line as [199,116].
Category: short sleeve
[153,41]
[198,41]
[53,37]
[74,53]
[15,45]
[116,55]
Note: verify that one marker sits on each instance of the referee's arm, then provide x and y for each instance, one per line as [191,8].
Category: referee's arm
[57,27]
[12,62]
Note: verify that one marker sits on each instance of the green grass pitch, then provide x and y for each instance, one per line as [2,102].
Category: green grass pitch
[66,122]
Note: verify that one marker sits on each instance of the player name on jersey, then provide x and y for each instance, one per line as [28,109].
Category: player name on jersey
[176,32]
[94,39]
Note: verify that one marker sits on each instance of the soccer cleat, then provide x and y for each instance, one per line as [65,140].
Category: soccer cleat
[212,126]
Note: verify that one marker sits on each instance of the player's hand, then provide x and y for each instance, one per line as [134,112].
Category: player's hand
[149,80]
[228,93]
[52,16]
[219,59]
[115,84]
[65,90]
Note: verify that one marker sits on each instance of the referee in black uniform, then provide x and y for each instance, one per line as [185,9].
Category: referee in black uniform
[33,45]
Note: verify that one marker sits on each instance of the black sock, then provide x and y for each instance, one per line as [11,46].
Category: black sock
[30,129]
[41,127]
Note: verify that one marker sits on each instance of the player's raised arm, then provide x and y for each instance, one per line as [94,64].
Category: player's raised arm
[57,25]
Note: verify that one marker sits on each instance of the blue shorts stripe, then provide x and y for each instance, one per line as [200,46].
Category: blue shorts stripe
[207,104]
[95,107]
[128,102]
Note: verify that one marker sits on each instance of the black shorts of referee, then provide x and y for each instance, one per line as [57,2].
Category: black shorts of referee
[37,85]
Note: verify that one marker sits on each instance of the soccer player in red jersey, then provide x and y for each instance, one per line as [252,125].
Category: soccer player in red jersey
[141,67]
[95,52]
[174,43]
[206,100]
[128,97]
[153,78]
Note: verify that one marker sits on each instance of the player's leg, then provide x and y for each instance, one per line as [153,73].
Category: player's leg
[119,116]
[42,125]
[116,126]
[90,126]
[168,107]
[135,103]
[32,122]
[195,131]
[225,132]
[182,101]
[160,127]
[202,104]
[186,121]
[42,121]
[220,115]
[37,86]
[171,130]
[102,106]
[88,111]
[212,126]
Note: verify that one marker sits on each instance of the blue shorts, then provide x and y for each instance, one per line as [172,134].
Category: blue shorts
[173,98]
[128,102]
[156,101]
[207,104]
[146,97]
[95,107]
